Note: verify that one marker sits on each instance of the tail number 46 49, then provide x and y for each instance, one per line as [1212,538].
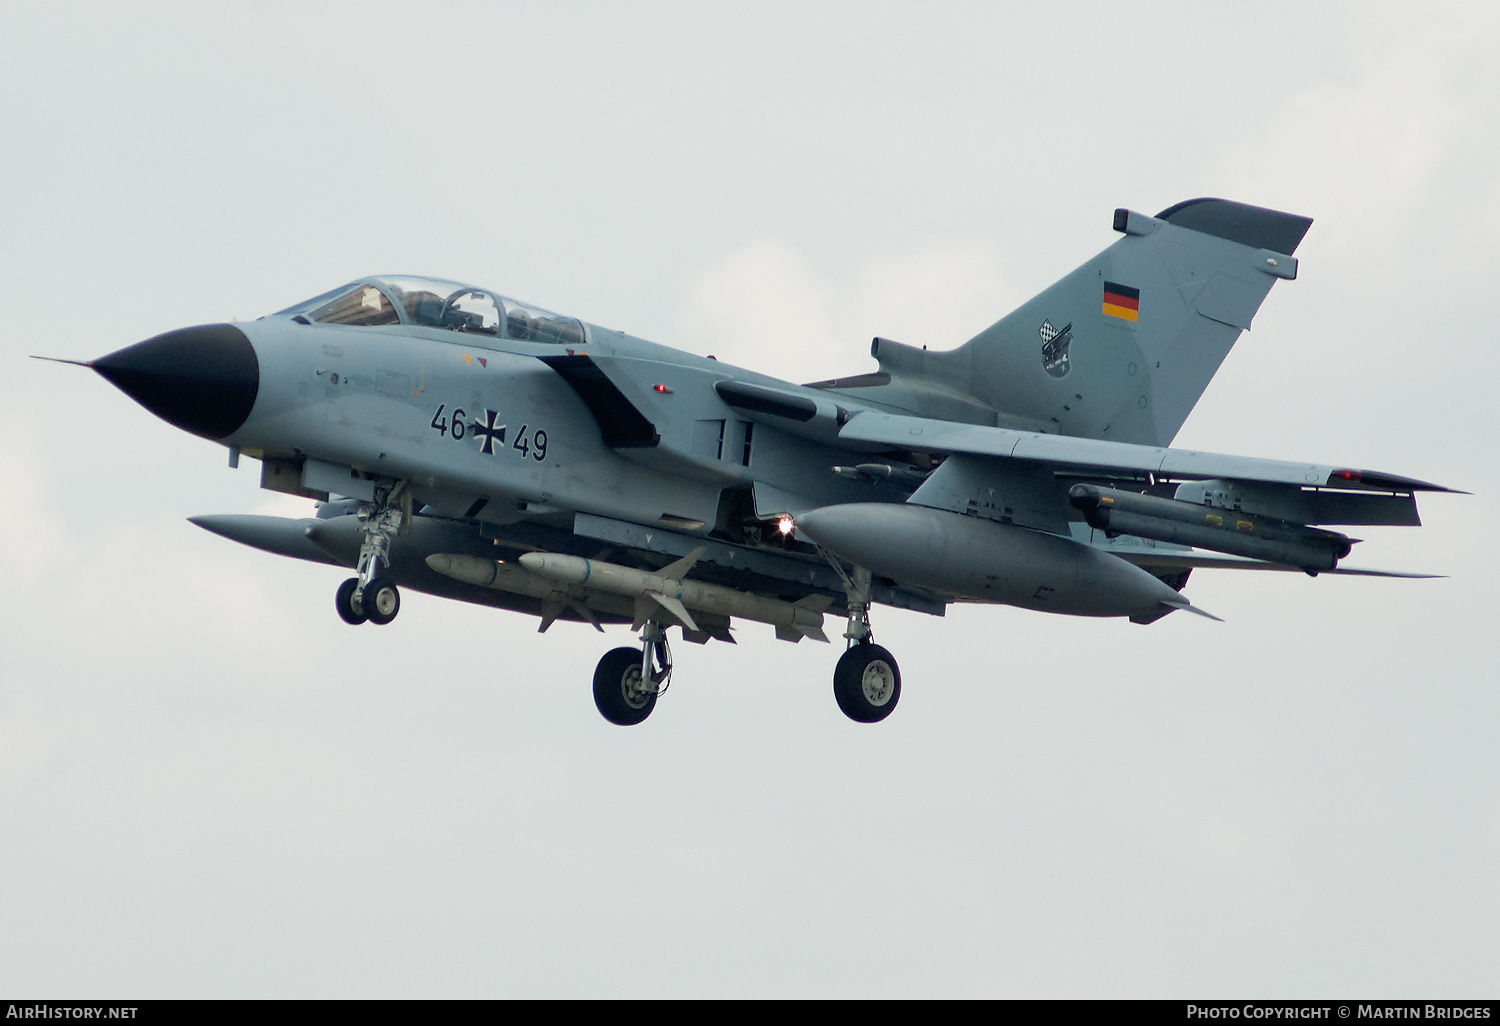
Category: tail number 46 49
[490,435]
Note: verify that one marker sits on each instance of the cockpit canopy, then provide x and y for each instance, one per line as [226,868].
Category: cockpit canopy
[434,303]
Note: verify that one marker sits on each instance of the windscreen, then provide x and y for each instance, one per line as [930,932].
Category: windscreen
[436,303]
[363,305]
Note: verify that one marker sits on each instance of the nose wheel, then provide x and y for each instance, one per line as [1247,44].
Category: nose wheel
[349,603]
[373,596]
[380,600]
[377,602]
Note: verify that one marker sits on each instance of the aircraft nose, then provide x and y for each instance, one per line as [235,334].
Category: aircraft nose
[201,379]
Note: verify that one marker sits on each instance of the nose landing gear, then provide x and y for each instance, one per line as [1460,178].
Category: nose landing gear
[371,595]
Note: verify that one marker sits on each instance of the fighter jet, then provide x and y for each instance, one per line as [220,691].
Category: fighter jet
[465,444]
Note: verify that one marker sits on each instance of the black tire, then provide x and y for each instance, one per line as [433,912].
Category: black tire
[344,603]
[381,600]
[867,683]
[617,693]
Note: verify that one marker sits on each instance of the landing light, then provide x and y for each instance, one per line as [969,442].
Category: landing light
[785,525]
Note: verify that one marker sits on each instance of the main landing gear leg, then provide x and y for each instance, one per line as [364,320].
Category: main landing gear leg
[628,681]
[371,595]
[866,681]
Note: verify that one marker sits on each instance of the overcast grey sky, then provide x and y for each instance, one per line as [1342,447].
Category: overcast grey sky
[209,786]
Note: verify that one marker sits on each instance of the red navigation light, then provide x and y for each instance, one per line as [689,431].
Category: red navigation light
[1352,476]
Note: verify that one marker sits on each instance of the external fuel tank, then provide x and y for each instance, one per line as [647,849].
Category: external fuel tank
[987,561]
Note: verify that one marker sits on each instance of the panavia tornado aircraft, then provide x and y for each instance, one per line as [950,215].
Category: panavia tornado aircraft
[467,445]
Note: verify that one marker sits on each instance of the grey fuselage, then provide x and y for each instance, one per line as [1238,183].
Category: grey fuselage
[511,444]
[383,402]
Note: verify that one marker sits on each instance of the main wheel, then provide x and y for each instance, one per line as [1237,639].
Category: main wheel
[380,600]
[350,611]
[617,688]
[866,683]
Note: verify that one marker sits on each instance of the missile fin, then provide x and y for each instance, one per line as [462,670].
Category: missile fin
[552,607]
[584,611]
[673,606]
[788,633]
[814,604]
[675,571]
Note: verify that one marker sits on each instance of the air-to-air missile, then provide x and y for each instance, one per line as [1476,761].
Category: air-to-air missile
[503,576]
[793,620]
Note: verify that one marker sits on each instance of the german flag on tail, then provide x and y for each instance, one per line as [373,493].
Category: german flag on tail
[1122,301]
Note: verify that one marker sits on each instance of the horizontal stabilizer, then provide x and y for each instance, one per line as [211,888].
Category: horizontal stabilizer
[1190,560]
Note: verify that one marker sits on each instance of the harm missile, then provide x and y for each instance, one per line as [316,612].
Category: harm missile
[667,588]
[1207,527]
[989,561]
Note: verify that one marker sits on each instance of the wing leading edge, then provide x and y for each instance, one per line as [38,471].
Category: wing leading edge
[1086,454]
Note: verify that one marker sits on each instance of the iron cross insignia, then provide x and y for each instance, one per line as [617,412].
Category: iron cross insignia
[489,432]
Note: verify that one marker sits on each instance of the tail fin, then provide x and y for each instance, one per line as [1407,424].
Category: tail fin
[1122,347]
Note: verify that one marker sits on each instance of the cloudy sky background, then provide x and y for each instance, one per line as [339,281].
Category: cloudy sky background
[209,786]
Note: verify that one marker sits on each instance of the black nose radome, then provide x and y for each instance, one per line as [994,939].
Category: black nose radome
[202,379]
